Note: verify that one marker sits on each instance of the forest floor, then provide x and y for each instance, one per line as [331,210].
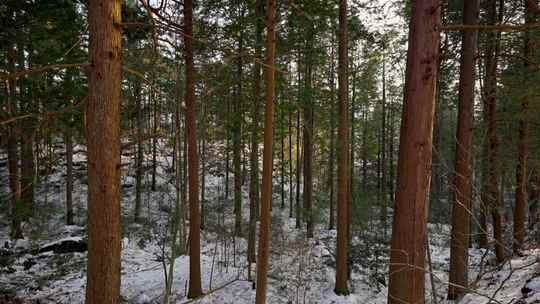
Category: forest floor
[301,271]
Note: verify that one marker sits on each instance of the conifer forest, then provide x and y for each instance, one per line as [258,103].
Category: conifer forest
[270,151]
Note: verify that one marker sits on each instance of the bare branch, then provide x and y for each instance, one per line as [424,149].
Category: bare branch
[490,28]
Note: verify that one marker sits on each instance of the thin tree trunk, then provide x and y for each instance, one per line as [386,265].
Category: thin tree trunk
[154,101]
[365,108]
[438,127]
[177,222]
[407,254]
[227,148]
[490,86]
[266,186]
[352,138]
[12,151]
[195,289]
[254,156]
[237,125]
[332,138]
[391,166]
[291,208]
[27,168]
[484,201]
[308,140]
[139,157]
[534,199]
[203,154]
[299,211]
[103,130]
[69,175]
[26,133]
[523,148]
[343,157]
[383,195]
[282,154]
[462,206]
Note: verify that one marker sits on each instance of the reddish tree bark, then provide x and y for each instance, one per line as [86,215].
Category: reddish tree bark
[461,211]
[407,255]
[266,185]
[103,130]
[195,289]
[343,156]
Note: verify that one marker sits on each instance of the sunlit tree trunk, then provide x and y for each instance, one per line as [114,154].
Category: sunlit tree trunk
[407,253]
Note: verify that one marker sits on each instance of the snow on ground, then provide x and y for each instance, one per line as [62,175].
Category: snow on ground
[301,271]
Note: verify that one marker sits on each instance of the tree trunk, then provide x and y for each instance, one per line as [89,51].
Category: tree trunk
[298,162]
[254,156]
[462,206]
[365,109]
[195,289]
[139,157]
[391,166]
[490,86]
[407,255]
[534,199]
[27,168]
[153,99]
[282,154]
[523,148]
[308,138]
[227,147]
[291,208]
[12,152]
[177,220]
[237,129]
[383,194]
[343,157]
[332,138]
[103,130]
[69,175]
[352,137]
[203,154]
[266,186]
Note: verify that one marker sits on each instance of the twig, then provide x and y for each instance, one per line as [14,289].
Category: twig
[43,69]
[211,291]
[490,28]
